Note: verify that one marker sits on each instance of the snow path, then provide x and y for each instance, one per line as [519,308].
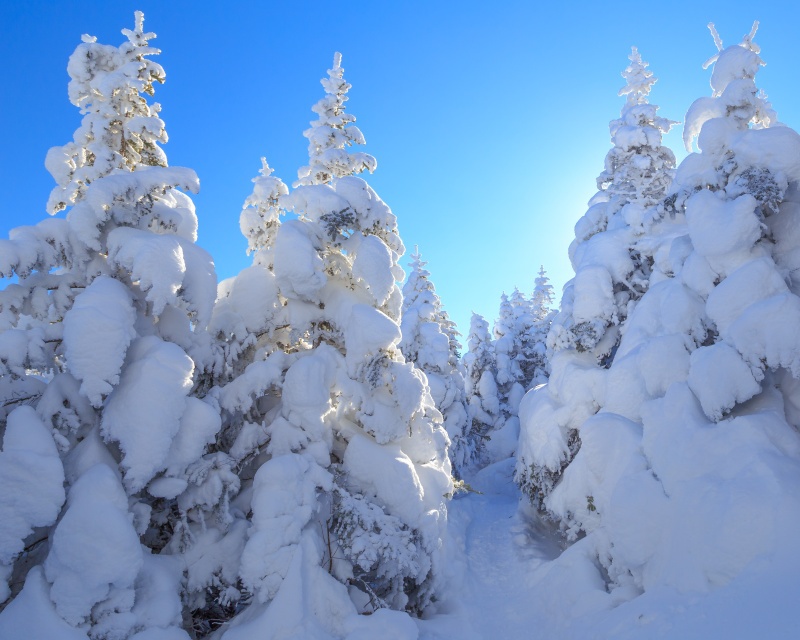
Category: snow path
[496,591]
[498,552]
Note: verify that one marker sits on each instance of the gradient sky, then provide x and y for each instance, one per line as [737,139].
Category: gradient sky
[489,125]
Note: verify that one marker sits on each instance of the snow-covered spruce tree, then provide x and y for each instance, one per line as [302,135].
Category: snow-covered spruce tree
[246,324]
[483,401]
[245,313]
[341,451]
[543,297]
[506,342]
[610,272]
[531,323]
[612,261]
[428,337]
[536,365]
[510,341]
[520,334]
[332,134]
[102,343]
[687,475]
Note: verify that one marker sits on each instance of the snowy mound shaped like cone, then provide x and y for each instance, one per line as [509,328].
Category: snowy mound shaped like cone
[339,447]
[686,474]
[612,255]
[103,336]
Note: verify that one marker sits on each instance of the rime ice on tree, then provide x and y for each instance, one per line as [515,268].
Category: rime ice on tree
[520,363]
[612,258]
[610,272]
[342,453]
[120,129]
[638,169]
[429,340]
[332,133]
[734,93]
[259,219]
[537,363]
[691,433]
[104,337]
[483,401]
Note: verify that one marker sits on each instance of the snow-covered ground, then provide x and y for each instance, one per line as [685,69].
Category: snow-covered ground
[510,580]
[494,553]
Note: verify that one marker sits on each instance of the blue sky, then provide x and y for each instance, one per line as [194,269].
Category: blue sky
[489,126]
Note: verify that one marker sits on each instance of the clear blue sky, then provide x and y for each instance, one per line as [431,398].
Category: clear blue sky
[490,125]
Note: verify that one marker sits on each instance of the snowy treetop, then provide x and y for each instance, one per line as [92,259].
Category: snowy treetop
[638,113]
[331,134]
[418,264]
[746,43]
[138,37]
[120,131]
[261,211]
[639,79]
[543,295]
[638,168]
[735,62]
[734,93]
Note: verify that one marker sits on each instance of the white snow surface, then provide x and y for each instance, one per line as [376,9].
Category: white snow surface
[161,373]
[97,333]
[32,478]
[511,577]
[298,267]
[95,547]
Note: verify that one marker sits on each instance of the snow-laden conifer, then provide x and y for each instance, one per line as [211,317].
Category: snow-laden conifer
[543,297]
[250,323]
[610,271]
[691,443]
[506,342]
[520,362]
[247,308]
[103,337]
[612,259]
[510,336]
[260,215]
[638,169]
[428,338]
[520,334]
[120,129]
[536,364]
[341,450]
[483,401]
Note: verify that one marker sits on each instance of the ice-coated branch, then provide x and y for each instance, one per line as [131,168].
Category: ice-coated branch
[747,41]
[138,35]
[717,42]
[715,34]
